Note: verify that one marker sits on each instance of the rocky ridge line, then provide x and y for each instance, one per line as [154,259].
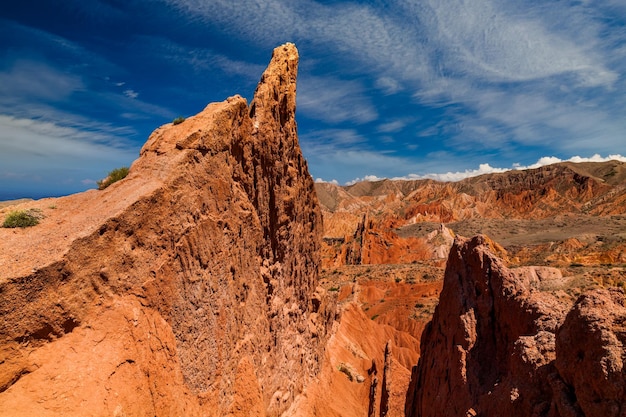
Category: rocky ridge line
[553,203]
[188,288]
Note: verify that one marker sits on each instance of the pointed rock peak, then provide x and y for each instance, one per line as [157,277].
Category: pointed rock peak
[282,69]
[212,243]
[275,97]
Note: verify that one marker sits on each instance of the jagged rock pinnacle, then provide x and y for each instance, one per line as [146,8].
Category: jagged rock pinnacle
[184,289]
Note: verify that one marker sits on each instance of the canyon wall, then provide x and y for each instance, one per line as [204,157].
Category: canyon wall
[188,288]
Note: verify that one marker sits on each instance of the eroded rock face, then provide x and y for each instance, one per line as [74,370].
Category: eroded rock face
[208,251]
[498,345]
[361,372]
[591,354]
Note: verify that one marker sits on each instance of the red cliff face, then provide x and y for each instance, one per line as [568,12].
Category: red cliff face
[188,288]
[499,345]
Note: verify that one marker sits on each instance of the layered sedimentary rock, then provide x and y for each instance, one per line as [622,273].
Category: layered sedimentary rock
[499,345]
[188,288]
[401,214]
[375,243]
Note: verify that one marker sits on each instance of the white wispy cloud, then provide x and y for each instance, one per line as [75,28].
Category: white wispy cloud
[452,51]
[388,85]
[392,126]
[524,74]
[501,120]
[339,152]
[36,80]
[42,130]
[55,158]
[49,140]
[38,45]
[199,59]
[40,89]
[132,94]
[334,100]
[503,41]
[267,23]
[323,141]
[324,98]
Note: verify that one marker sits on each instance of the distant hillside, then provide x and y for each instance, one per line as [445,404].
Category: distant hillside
[547,203]
[590,187]
[8,203]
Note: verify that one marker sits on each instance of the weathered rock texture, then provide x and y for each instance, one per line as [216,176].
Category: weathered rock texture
[361,372]
[377,243]
[590,355]
[499,345]
[188,288]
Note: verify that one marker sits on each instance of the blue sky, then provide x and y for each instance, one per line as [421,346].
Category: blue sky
[430,88]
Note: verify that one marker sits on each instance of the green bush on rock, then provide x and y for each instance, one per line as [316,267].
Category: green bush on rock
[22,218]
[114,176]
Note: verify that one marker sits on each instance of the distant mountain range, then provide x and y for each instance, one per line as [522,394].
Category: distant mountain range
[554,203]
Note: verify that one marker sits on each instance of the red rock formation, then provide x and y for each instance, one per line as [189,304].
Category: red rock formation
[188,288]
[590,355]
[396,209]
[361,374]
[375,242]
[498,345]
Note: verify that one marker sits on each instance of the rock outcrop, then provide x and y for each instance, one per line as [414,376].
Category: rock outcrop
[361,372]
[590,355]
[376,243]
[499,345]
[188,288]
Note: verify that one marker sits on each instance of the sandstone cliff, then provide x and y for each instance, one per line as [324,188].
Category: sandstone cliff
[500,344]
[188,288]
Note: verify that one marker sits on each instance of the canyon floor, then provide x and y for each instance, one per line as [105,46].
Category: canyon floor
[531,242]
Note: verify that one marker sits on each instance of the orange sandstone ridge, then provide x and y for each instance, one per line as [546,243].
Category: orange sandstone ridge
[188,288]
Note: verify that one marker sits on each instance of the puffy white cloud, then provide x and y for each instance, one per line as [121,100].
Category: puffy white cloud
[132,94]
[320,180]
[369,178]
